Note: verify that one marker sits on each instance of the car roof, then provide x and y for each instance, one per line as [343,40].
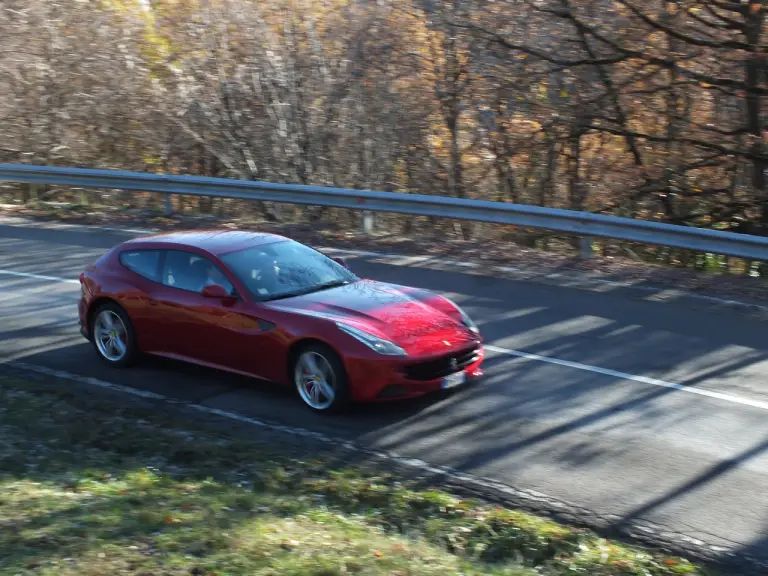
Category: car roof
[213,241]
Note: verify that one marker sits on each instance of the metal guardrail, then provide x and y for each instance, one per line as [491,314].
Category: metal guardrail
[582,224]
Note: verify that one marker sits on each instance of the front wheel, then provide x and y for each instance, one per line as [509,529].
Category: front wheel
[113,335]
[320,379]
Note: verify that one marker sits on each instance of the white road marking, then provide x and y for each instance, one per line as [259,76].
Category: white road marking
[38,276]
[532,497]
[23,223]
[538,358]
[538,501]
[632,377]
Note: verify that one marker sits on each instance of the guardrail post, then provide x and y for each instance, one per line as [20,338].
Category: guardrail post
[28,192]
[168,206]
[585,247]
[367,222]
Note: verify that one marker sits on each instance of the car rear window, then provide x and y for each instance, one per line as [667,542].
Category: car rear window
[142,262]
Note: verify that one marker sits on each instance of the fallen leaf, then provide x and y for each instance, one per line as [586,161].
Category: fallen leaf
[289,544]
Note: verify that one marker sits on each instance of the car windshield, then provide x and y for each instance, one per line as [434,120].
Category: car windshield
[284,269]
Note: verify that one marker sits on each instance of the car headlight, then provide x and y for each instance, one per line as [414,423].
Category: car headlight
[465,319]
[373,342]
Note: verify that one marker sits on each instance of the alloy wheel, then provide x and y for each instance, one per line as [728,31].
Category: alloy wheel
[110,335]
[315,380]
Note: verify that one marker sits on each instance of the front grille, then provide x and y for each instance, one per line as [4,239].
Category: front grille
[393,392]
[443,366]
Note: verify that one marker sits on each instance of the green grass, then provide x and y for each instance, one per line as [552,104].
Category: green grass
[89,485]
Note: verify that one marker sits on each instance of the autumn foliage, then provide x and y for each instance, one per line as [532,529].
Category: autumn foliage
[648,109]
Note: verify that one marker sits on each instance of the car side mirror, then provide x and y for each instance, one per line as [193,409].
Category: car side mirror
[216,291]
[341,260]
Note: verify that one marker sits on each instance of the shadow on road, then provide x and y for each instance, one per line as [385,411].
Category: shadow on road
[625,445]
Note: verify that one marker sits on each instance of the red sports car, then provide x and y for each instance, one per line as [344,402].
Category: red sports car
[266,306]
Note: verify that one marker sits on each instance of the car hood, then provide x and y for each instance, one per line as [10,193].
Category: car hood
[417,320]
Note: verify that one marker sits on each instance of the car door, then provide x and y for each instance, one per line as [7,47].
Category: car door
[208,330]
[144,266]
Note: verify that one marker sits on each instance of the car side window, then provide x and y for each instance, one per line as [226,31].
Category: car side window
[142,262]
[188,271]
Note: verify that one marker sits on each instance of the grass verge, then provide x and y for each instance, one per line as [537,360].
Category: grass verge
[92,486]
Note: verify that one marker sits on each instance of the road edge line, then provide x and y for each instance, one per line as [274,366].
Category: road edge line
[491,491]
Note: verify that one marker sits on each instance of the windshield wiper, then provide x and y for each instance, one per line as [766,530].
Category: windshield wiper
[317,288]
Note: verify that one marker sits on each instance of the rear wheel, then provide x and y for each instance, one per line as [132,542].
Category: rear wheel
[320,379]
[113,335]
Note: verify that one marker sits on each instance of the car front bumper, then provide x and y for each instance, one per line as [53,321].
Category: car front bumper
[82,318]
[384,379]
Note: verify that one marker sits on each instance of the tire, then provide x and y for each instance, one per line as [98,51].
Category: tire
[123,332]
[332,372]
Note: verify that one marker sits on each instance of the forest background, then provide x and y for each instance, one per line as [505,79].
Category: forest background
[652,110]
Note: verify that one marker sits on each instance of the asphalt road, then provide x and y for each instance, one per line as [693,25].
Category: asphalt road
[600,421]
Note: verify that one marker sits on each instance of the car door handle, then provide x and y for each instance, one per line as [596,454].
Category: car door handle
[153,302]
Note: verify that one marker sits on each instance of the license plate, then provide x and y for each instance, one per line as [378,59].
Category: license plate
[454,380]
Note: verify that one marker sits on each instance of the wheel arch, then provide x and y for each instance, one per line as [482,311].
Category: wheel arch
[97,303]
[302,343]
